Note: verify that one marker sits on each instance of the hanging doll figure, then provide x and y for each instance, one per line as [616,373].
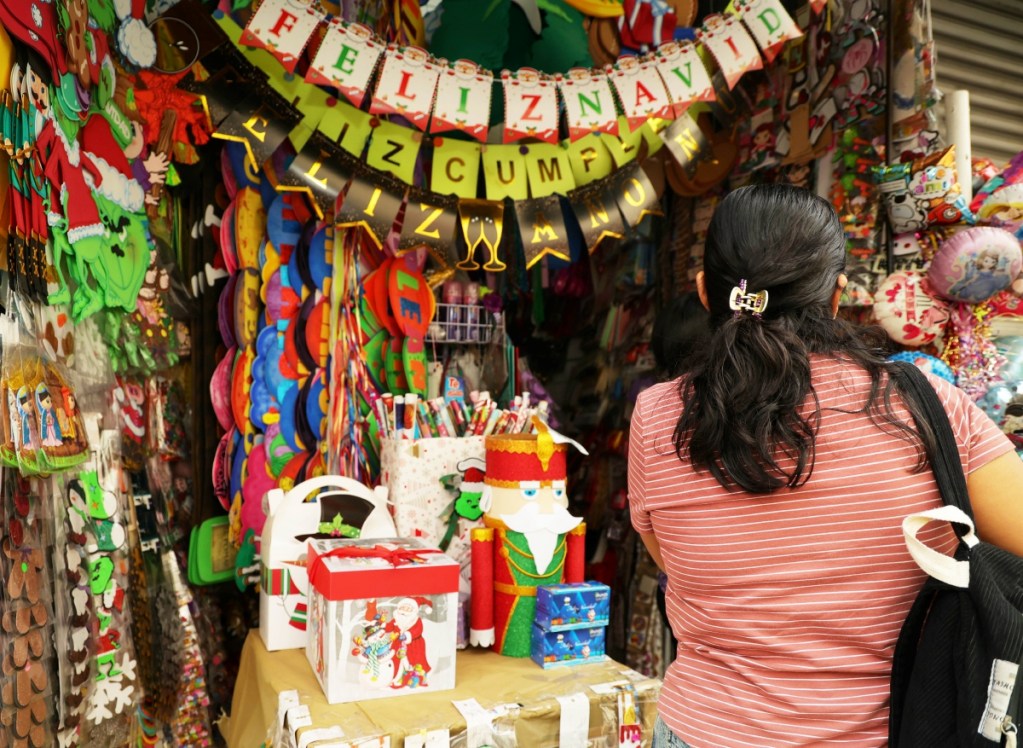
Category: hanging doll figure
[29,429]
[49,428]
[70,419]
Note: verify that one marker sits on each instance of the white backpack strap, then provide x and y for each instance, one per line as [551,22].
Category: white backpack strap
[943,568]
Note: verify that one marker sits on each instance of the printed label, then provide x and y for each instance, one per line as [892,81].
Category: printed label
[999,691]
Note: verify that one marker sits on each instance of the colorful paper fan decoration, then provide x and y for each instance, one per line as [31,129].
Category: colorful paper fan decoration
[907,311]
[220,389]
[975,263]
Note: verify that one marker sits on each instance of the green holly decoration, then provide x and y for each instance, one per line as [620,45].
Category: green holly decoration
[337,528]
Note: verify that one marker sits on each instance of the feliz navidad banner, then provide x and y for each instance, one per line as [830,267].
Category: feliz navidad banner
[437,96]
[364,166]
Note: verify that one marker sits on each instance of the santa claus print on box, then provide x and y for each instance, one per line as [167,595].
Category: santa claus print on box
[382,618]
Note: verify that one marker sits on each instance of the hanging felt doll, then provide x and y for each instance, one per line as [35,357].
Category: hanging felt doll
[29,430]
[70,419]
[49,428]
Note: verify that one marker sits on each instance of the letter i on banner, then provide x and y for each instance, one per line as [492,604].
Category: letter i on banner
[589,103]
[530,106]
[463,100]
[733,48]
[684,75]
[346,59]
[406,86]
[641,91]
[283,27]
[770,24]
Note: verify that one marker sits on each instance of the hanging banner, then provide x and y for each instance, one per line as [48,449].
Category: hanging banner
[406,85]
[346,59]
[318,171]
[542,229]
[685,142]
[624,148]
[590,160]
[282,27]
[596,211]
[456,167]
[634,194]
[349,127]
[371,206]
[770,24]
[482,222]
[530,106]
[733,48]
[504,169]
[430,220]
[548,169]
[463,100]
[589,103]
[640,90]
[261,123]
[684,75]
[220,93]
[394,149]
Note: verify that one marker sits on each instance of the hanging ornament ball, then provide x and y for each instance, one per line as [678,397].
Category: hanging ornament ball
[905,308]
[927,363]
[974,264]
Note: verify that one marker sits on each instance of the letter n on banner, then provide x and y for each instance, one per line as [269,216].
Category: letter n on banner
[635,195]
[319,171]
[596,211]
[283,27]
[373,205]
[685,142]
[542,229]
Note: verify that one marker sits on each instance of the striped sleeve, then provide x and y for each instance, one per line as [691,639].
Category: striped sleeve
[637,455]
[979,438]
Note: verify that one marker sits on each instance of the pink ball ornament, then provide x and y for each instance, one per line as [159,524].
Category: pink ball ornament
[974,264]
[908,312]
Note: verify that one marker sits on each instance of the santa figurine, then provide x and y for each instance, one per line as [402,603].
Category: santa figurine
[529,538]
[408,646]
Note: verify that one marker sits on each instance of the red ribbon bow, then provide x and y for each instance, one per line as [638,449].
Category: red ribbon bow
[394,556]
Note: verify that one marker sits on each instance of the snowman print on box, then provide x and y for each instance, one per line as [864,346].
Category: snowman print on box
[393,645]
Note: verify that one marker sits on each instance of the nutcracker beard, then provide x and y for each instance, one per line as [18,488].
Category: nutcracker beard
[542,530]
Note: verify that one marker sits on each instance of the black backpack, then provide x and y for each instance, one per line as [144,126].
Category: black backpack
[956,673]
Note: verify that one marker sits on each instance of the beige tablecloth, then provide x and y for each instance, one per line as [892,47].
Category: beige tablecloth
[533,720]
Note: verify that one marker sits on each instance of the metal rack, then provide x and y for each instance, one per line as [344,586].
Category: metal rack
[465,324]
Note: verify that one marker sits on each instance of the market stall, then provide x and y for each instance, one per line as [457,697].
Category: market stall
[293,294]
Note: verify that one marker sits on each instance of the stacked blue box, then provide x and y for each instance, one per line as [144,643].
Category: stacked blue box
[570,624]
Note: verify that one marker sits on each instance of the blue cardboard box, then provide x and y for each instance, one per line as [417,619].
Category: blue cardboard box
[562,607]
[572,647]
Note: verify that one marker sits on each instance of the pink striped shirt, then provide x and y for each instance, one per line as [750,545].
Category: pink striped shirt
[787,606]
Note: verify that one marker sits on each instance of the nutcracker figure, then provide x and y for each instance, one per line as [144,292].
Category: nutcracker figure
[529,538]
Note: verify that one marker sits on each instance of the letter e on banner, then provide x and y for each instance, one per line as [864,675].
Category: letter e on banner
[283,27]
[733,48]
[346,59]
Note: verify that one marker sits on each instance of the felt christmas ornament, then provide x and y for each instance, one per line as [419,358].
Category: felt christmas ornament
[134,38]
[315,329]
[248,309]
[264,401]
[241,385]
[249,227]
[316,405]
[289,422]
[291,362]
[278,453]
[228,236]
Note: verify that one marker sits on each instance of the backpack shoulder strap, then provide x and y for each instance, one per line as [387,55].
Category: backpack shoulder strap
[905,658]
[945,462]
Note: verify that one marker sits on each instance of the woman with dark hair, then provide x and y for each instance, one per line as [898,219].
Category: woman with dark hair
[770,482]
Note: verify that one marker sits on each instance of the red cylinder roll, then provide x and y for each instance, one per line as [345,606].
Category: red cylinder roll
[481,609]
[575,554]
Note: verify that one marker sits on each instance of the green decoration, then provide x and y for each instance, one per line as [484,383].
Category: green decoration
[471,30]
[337,528]
[563,43]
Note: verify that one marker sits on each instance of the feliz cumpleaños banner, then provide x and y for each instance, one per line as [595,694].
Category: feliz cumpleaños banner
[360,167]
